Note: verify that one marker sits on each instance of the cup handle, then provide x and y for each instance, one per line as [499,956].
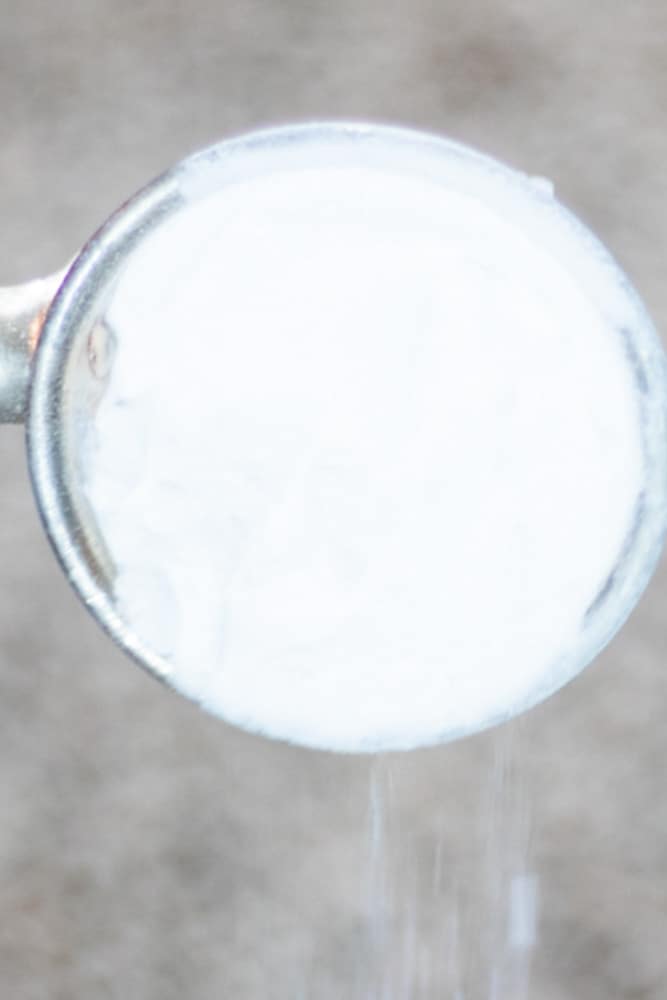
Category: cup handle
[23,309]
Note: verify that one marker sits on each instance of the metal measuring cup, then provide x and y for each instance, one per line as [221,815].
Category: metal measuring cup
[56,350]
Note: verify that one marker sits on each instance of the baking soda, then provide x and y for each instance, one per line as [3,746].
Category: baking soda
[370,449]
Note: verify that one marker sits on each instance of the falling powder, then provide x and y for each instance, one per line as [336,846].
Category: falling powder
[371,446]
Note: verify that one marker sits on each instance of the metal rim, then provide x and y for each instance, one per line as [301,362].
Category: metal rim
[93,272]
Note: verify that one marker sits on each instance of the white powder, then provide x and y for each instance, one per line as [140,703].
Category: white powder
[368,452]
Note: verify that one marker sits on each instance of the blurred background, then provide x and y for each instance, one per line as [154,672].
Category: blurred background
[148,851]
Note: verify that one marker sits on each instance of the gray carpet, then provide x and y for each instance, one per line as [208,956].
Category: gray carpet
[150,852]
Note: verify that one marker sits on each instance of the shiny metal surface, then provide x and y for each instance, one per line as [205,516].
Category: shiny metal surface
[64,390]
[22,312]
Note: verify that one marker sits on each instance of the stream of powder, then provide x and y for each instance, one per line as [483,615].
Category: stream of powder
[452,892]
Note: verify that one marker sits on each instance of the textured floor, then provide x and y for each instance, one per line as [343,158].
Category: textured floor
[147,851]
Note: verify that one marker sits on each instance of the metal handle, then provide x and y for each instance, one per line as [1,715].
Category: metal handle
[22,312]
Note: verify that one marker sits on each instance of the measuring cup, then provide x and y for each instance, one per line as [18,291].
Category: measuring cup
[56,351]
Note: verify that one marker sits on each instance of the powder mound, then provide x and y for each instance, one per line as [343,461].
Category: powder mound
[370,449]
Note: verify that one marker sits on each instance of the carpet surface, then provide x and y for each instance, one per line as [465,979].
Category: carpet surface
[148,851]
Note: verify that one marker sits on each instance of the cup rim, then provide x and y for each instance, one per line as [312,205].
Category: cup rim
[92,274]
